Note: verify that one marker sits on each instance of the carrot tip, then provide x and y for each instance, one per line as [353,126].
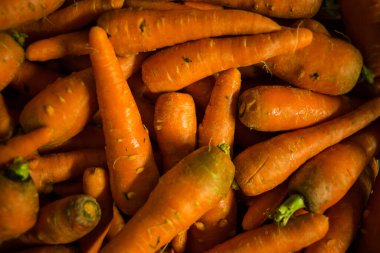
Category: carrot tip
[18,170]
[282,215]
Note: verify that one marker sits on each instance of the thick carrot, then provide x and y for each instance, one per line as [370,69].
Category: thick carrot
[218,123]
[316,187]
[117,223]
[133,171]
[19,200]
[15,13]
[156,5]
[6,120]
[175,124]
[178,66]
[300,232]
[58,167]
[201,91]
[64,248]
[152,29]
[24,145]
[184,193]
[280,107]
[74,43]
[265,165]
[272,8]
[11,57]
[73,17]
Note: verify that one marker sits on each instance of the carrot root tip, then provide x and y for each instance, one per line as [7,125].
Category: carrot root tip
[282,214]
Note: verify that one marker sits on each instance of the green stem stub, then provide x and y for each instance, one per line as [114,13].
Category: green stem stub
[18,170]
[225,148]
[288,208]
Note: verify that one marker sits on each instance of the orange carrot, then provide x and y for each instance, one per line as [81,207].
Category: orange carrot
[153,29]
[15,13]
[24,145]
[58,167]
[178,66]
[175,124]
[64,248]
[179,242]
[74,43]
[11,57]
[146,110]
[19,200]
[133,171]
[280,108]
[202,5]
[156,5]
[184,193]
[117,223]
[6,120]
[201,91]
[265,165]
[300,232]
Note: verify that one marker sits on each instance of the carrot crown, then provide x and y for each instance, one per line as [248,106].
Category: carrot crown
[18,170]
[288,208]
[225,148]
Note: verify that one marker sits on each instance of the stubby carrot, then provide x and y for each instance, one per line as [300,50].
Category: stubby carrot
[15,13]
[280,107]
[19,200]
[133,171]
[201,91]
[6,120]
[153,29]
[265,165]
[300,232]
[176,67]
[11,57]
[175,124]
[184,193]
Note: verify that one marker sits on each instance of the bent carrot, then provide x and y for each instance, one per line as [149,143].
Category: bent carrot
[133,171]
[150,29]
[300,232]
[178,66]
[199,181]
[6,120]
[265,165]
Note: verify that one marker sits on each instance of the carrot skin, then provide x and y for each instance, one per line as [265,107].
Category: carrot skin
[274,160]
[117,223]
[6,120]
[176,67]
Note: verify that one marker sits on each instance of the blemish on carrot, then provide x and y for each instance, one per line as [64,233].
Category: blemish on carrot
[49,110]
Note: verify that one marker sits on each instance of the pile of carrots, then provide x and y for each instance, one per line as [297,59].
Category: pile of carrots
[150,126]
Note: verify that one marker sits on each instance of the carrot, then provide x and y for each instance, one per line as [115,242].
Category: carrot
[201,91]
[175,124]
[58,167]
[156,5]
[28,81]
[73,17]
[328,65]
[51,249]
[262,206]
[63,221]
[67,188]
[74,43]
[15,13]
[96,184]
[146,109]
[24,145]
[311,24]
[202,5]
[317,187]
[300,232]
[6,120]
[184,193]
[19,200]
[179,242]
[280,107]
[178,66]
[272,8]
[151,29]
[265,165]
[117,223]
[344,216]
[11,57]
[133,171]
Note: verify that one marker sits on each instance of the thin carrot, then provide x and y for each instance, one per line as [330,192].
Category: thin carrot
[175,124]
[11,57]
[201,91]
[15,13]
[64,248]
[300,232]
[117,223]
[264,165]
[316,187]
[19,200]
[156,5]
[178,66]
[133,171]
[202,5]
[280,107]
[153,29]
[6,120]
[24,145]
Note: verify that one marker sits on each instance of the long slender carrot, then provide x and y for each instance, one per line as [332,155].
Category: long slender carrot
[178,66]
[264,165]
[58,167]
[24,145]
[280,107]
[6,120]
[175,124]
[300,232]
[133,171]
[15,13]
[152,29]
[316,187]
